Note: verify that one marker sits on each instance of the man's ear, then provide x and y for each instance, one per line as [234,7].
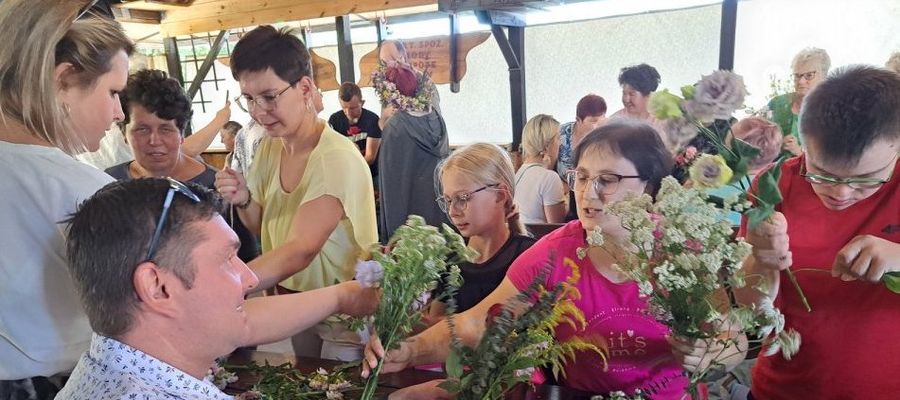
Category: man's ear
[154,287]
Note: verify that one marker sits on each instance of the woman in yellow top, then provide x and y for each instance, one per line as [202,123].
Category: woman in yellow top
[309,192]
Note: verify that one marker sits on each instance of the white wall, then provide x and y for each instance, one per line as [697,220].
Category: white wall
[568,60]
[771,32]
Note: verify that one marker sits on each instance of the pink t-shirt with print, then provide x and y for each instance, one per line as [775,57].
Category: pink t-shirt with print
[639,356]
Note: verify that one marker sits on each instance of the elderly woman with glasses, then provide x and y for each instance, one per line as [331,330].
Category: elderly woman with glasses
[809,67]
[617,159]
[309,192]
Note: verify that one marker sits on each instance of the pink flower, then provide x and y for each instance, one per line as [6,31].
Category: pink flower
[694,245]
[690,152]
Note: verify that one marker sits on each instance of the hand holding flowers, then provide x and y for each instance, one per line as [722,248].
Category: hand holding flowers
[419,257]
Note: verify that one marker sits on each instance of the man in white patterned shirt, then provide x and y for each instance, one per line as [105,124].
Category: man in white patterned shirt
[157,270]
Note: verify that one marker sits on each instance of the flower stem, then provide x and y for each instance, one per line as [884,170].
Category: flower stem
[793,279]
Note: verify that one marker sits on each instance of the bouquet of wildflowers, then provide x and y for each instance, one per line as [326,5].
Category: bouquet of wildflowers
[284,382]
[682,257]
[389,94]
[518,338]
[418,258]
[715,98]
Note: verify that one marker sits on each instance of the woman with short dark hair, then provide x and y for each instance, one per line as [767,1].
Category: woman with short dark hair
[309,192]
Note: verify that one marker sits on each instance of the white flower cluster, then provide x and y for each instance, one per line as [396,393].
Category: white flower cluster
[333,388]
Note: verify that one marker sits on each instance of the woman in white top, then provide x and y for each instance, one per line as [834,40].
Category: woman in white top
[60,82]
[540,194]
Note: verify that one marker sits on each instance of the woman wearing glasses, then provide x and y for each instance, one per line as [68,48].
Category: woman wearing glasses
[613,161]
[60,83]
[809,67]
[309,192]
[477,194]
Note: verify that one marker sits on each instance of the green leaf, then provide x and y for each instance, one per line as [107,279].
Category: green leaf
[450,385]
[767,195]
[892,281]
[759,214]
[454,365]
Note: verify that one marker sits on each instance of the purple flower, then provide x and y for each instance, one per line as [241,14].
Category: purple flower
[369,273]
[716,96]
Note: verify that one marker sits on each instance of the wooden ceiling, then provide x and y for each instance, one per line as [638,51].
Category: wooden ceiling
[199,16]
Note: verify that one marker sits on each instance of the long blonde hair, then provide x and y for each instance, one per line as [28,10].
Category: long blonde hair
[538,134]
[38,35]
[486,164]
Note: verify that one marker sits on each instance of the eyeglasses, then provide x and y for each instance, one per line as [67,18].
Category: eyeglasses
[805,75]
[461,200]
[267,102]
[853,183]
[604,184]
[174,186]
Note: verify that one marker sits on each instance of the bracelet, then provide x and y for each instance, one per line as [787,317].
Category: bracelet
[246,203]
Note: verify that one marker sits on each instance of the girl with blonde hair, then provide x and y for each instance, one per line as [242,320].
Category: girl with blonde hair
[476,191]
[59,85]
[540,193]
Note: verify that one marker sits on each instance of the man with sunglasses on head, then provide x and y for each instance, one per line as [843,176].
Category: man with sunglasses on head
[838,229]
[157,270]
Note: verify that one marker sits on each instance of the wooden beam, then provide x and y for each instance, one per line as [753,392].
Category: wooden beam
[213,15]
[137,16]
[173,61]
[727,34]
[207,64]
[153,5]
[345,48]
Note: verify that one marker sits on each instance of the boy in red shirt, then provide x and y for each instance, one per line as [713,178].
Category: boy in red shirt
[838,230]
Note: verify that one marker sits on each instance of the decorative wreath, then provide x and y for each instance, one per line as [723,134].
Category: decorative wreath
[403,87]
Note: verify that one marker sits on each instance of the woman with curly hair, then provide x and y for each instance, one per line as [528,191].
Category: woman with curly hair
[638,82]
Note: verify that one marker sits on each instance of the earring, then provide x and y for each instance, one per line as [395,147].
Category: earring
[66,110]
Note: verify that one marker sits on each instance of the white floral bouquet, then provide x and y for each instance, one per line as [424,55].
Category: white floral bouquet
[418,257]
[682,256]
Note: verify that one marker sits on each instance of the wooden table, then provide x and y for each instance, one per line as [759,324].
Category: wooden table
[387,383]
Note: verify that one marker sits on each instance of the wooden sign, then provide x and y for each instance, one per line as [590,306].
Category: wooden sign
[430,54]
[324,71]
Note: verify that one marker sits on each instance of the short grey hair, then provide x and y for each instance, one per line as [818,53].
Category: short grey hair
[814,56]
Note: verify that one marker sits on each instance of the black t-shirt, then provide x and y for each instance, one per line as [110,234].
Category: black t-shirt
[479,280]
[365,127]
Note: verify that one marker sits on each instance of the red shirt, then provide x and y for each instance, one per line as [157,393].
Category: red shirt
[851,340]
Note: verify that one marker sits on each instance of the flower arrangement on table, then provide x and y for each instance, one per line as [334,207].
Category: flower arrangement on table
[284,382]
[419,256]
[403,87]
[518,339]
[682,256]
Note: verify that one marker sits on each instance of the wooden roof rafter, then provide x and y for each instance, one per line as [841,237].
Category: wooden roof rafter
[213,15]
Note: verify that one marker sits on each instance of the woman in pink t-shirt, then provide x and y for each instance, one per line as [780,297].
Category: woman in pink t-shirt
[611,162]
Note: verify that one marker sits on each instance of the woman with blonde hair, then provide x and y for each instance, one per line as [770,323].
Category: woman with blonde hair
[809,67]
[476,191]
[540,194]
[59,85]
